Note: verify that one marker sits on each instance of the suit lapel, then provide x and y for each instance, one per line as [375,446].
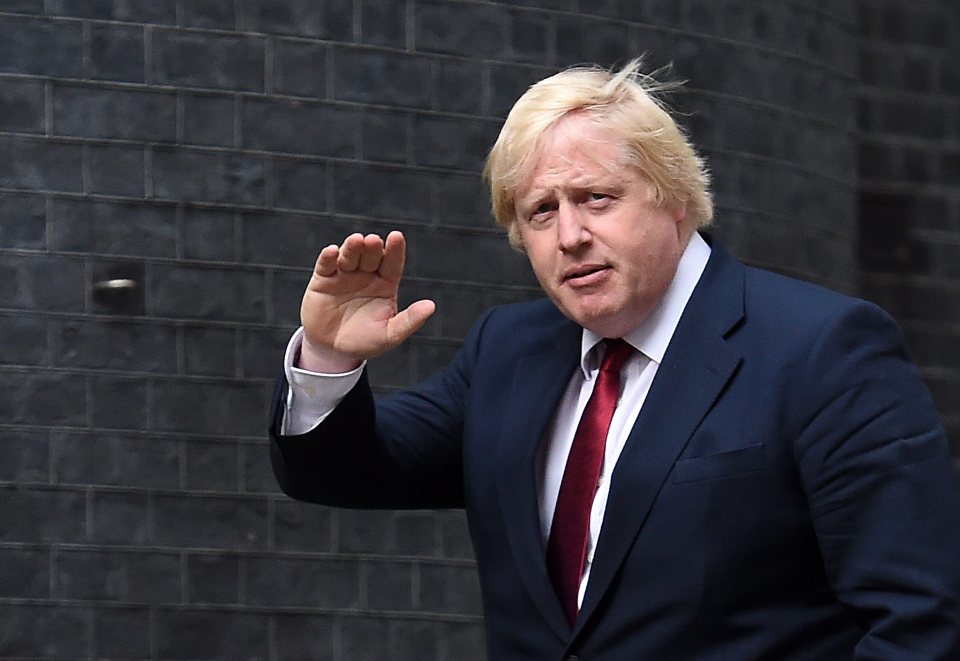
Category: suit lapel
[539,380]
[696,367]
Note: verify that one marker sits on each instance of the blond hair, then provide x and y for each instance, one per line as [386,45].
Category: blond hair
[624,103]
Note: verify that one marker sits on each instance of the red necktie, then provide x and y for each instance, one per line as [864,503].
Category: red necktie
[567,546]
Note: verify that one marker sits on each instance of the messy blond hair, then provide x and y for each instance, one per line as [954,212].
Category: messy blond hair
[623,102]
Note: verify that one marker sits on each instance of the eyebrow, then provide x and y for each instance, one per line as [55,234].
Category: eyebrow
[591,183]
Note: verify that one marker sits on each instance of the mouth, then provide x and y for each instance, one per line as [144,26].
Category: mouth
[584,275]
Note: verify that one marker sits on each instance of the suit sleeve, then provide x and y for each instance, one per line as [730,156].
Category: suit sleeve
[883,492]
[402,451]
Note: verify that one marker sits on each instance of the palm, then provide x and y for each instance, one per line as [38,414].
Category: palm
[350,305]
[350,312]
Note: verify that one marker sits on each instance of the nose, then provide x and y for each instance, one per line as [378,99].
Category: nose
[572,230]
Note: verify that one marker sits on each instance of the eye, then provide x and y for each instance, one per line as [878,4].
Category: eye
[541,212]
[598,198]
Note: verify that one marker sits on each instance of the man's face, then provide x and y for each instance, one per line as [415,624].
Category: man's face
[600,249]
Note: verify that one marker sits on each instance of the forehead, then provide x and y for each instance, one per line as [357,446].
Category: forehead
[575,152]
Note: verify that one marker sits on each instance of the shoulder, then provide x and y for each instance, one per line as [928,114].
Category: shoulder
[786,293]
[539,312]
[519,328]
[801,308]
[755,305]
[833,347]
[788,304]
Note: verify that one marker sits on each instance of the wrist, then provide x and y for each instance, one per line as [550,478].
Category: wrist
[325,360]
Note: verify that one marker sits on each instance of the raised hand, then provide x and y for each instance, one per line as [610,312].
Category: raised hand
[349,310]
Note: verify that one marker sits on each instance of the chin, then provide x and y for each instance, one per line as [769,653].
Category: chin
[606,320]
[602,325]
[612,323]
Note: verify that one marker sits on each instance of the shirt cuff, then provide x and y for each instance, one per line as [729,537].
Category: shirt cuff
[311,396]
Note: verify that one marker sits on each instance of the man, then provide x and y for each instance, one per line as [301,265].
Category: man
[761,475]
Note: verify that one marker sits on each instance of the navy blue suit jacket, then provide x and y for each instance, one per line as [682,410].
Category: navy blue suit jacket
[786,491]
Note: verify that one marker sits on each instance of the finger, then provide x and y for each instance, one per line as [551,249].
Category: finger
[394,256]
[327,261]
[409,321]
[350,252]
[372,253]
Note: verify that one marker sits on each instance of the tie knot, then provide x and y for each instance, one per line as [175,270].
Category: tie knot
[615,355]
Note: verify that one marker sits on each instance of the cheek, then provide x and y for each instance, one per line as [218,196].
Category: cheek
[536,248]
[540,264]
[544,268]
[656,265]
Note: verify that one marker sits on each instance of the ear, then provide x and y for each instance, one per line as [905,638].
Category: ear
[515,237]
[679,212]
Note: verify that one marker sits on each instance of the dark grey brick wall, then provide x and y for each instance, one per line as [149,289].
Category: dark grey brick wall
[909,120]
[208,150]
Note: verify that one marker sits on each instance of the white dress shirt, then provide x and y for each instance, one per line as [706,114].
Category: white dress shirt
[312,396]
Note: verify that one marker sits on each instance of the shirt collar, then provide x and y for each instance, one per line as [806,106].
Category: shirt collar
[654,333]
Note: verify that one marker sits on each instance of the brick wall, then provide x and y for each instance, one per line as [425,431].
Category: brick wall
[909,118]
[206,151]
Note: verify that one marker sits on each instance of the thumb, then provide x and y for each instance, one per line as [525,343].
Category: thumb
[407,322]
